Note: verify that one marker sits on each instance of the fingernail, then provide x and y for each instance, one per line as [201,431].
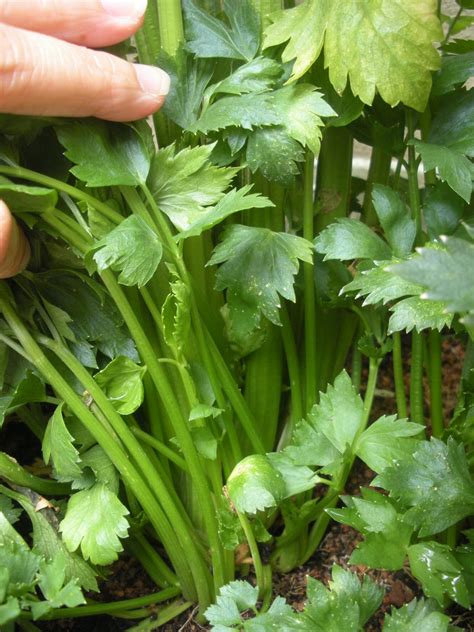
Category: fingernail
[153,80]
[125,8]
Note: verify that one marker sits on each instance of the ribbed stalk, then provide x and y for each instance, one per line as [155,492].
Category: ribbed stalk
[435,379]
[379,172]
[309,290]
[113,450]
[333,187]
[398,375]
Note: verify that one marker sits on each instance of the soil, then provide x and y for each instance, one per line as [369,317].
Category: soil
[128,580]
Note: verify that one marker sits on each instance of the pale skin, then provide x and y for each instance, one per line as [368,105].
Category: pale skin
[47,68]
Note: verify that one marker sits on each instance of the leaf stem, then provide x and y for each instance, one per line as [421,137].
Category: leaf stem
[170,20]
[95,609]
[14,473]
[255,553]
[413,191]
[113,449]
[180,425]
[76,194]
[161,448]
[309,290]
[435,378]
[292,362]
[398,375]
[416,378]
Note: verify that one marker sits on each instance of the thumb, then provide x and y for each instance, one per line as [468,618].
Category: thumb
[14,247]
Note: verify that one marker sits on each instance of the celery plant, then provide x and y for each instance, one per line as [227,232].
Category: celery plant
[178,342]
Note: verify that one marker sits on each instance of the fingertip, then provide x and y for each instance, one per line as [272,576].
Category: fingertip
[152,80]
[14,247]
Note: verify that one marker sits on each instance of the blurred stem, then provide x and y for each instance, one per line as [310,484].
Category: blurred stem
[413,191]
[170,19]
[435,379]
[333,188]
[255,553]
[398,375]
[416,378]
[94,609]
[356,372]
[309,290]
[294,376]
[379,172]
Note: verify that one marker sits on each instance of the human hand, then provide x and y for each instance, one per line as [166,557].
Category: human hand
[46,70]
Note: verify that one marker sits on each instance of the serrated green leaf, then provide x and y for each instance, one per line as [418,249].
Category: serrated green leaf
[101,469]
[435,483]
[302,107]
[386,441]
[366,593]
[94,316]
[189,80]
[273,152]
[56,590]
[362,42]
[259,266]
[95,521]
[442,210]
[386,535]
[185,183]
[297,478]
[47,542]
[419,314]
[378,285]
[60,319]
[21,198]
[279,616]
[348,239]
[453,168]
[246,111]
[439,573]
[453,124]
[455,71]
[257,75]
[58,447]
[28,389]
[234,201]
[121,381]
[398,226]
[205,442]
[176,315]
[105,154]
[234,597]
[209,37]
[304,26]
[22,565]
[9,512]
[346,606]
[132,249]
[339,414]
[9,610]
[444,273]
[417,616]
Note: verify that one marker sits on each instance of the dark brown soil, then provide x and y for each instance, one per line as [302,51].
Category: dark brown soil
[127,580]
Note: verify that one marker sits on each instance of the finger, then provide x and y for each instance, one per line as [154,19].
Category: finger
[87,22]
[40,75]
[14,247]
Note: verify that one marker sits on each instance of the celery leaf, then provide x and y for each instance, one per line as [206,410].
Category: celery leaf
[95,521]
[132,249]
[435,483]
[362,41]
[258,267]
